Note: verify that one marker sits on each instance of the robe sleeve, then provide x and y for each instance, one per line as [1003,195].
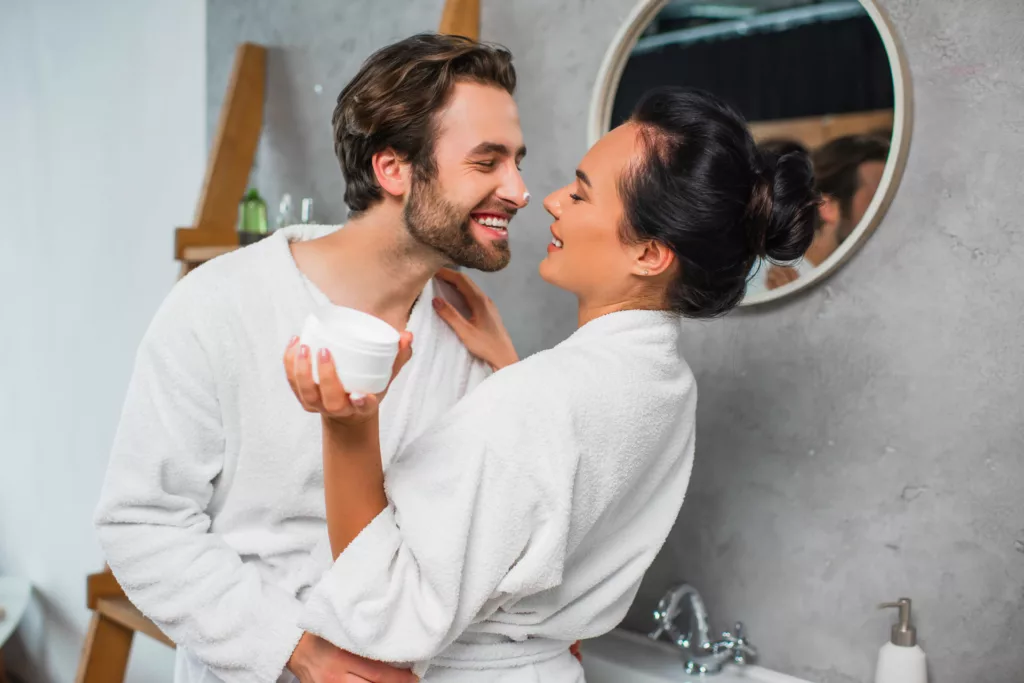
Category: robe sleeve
[474,519]
[152,519]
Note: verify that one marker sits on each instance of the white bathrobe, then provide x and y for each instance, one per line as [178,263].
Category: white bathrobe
[526,517]
[214,501]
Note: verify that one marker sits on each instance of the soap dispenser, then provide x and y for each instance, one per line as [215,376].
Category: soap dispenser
[901,660]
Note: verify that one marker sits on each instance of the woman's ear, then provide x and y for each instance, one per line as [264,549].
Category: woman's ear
[653,258]
[393,172]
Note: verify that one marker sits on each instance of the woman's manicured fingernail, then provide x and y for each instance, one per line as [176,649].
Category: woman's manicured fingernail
[303,351]
[325,355]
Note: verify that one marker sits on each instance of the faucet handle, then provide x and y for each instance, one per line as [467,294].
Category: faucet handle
[742,651]
[664,617]
[660,618]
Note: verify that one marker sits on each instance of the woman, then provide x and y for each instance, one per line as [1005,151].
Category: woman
[527,517]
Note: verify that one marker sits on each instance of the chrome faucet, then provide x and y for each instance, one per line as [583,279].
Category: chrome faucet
[702,655]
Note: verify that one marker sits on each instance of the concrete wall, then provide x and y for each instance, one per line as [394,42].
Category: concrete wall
[856,444]
[103,155]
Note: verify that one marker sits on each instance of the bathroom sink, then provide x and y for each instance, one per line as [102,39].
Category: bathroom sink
[622,657]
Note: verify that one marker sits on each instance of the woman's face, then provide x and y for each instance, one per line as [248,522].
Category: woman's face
[586,255]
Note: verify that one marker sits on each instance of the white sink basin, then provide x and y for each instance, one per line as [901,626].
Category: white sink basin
[624,657]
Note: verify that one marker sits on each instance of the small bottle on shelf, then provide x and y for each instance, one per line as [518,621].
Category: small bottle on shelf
[307,210]
[285,215]
[252,218]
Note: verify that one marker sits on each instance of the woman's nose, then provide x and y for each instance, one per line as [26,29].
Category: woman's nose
[553,204]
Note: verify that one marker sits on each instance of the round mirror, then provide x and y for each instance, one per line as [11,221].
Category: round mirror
[823,76]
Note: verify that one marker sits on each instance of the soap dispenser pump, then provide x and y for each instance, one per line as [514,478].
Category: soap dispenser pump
[901,660]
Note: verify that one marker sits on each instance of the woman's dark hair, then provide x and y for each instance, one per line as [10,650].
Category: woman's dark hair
[781,146]
[705,190]
[393,100]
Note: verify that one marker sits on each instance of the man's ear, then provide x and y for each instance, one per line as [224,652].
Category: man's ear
[829,210]
[393,172]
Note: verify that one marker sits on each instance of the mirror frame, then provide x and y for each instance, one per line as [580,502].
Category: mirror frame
[614,63]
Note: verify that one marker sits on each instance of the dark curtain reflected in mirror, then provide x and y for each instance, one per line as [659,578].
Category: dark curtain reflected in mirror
[828,66]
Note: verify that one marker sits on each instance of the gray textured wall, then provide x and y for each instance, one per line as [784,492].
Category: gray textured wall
[856,444]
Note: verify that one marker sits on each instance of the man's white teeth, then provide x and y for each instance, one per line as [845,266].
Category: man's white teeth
[491,222]
[557,242]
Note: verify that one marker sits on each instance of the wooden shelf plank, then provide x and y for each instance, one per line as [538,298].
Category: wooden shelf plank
[101,585]
[197,255]
[461,18]
[123,612]
[105,651]
[814,131]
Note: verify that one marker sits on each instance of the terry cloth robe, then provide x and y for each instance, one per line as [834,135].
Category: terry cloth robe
[526,517]
[214,500]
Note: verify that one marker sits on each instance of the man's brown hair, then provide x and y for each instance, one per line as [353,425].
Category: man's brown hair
[836,164]
[393,100]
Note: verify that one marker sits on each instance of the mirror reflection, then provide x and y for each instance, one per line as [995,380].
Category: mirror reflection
[810,75]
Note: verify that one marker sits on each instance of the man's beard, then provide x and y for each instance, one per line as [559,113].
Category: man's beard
[845,229]
[435,222]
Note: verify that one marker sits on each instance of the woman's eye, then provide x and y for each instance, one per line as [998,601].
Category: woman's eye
[575,197]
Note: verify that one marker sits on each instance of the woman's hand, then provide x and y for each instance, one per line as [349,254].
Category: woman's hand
[330,398]
[483,333]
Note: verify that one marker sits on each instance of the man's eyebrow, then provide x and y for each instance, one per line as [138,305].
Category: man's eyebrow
[496,148]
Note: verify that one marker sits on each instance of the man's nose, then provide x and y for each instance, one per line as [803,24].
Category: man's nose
[513,189]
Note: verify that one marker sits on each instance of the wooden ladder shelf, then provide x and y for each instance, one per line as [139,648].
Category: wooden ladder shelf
[238,132]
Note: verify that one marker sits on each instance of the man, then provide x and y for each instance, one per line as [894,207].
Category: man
[847,171]
[212,513]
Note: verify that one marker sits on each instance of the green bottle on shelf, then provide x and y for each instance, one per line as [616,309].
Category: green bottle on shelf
[252,218]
